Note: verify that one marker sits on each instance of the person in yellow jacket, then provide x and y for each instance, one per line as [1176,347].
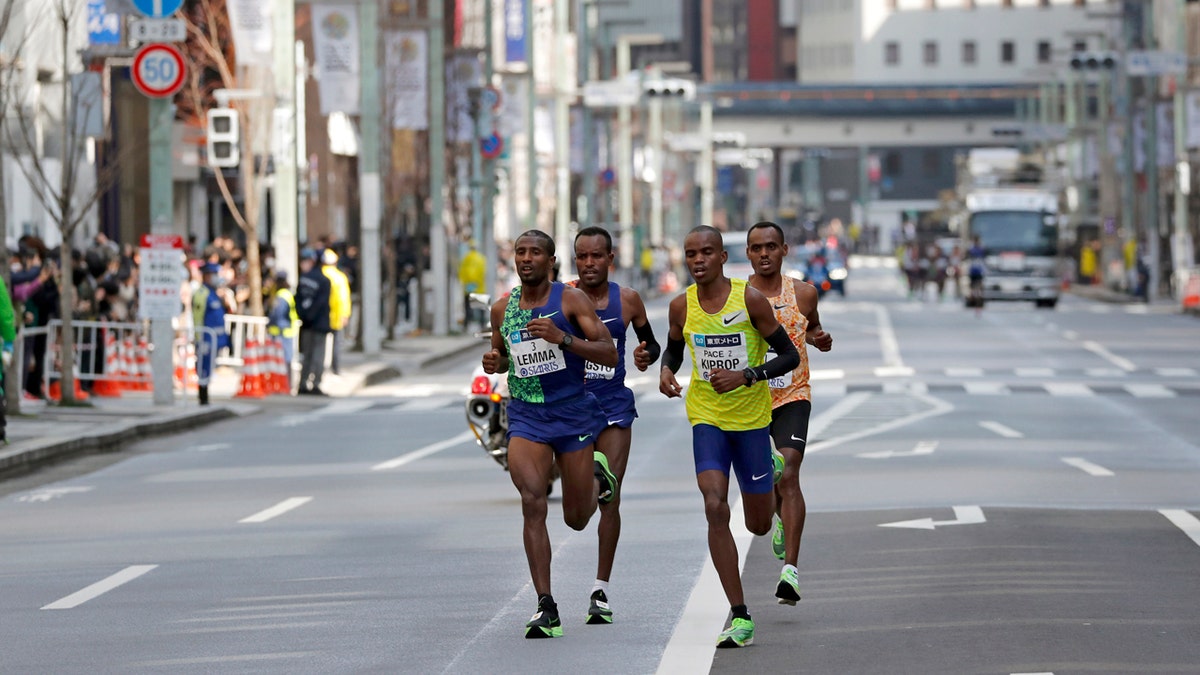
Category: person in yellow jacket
[472,275]
[283,321]
[340,305]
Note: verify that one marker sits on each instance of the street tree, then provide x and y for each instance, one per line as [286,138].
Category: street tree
[52,139]
[212,65]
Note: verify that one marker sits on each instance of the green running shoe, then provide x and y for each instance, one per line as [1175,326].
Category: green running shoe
[608,482]
[777,539]
[545,623]
[788,590]
[778,458]
[599,613]
[739,634]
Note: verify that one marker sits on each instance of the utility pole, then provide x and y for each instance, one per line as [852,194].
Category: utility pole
[587,23]
[564,90]
[369,182]
[1128,163]
[284,204]
[706,162]
[530,121]
[655,138]
[1153,233]
[1181,244]
[439,266]
[162,203]
[488,233]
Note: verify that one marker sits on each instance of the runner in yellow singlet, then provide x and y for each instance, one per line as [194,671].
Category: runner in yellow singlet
[727,326]
[795,305]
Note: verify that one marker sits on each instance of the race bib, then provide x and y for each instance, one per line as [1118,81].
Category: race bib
[595,371]
[720,351]
[530,356]
[780,382]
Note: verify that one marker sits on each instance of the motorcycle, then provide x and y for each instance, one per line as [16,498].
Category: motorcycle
[487,406]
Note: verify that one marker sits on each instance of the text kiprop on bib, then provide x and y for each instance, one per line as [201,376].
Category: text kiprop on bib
[720,351]
[533,356]
[595,371]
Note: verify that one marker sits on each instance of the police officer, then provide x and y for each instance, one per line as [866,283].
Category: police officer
[284,322]
[208,311]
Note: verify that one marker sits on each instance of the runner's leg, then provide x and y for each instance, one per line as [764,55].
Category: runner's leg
[614,442]
[529,465]
[579,485]
[714,488]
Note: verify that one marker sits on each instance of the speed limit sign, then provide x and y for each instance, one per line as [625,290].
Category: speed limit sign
[158,70]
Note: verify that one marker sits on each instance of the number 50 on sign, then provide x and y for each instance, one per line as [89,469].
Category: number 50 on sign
[158,70]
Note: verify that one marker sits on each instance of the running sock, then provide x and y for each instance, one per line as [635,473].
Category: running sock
[790,567]
[547,601]
[601,585]
[740,612]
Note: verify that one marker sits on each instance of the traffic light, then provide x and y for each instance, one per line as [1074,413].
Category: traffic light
[672,87]
[1094,60]
[223,138]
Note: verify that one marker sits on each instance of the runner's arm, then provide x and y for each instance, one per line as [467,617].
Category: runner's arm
[496,360]
[787,358]
[648,349]
[597,346]
[815,335]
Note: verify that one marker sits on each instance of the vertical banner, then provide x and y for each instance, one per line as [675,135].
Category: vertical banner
[463,71]
[335,40]
[1165,113]
[250,21]
[515,40]
[406,54]
[104,27]
[1192,119]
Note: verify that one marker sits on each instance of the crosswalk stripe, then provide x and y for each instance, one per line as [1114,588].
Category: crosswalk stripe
[1149,391]
[1175,372]
[985,388]
[964,372]
[1034,372]
[1068,389]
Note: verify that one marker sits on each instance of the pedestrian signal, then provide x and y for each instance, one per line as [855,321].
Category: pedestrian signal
[223,138]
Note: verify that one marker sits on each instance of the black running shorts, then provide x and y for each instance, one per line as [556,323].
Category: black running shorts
[789,425]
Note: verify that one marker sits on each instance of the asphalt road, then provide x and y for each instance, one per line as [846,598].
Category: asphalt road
[1010,493]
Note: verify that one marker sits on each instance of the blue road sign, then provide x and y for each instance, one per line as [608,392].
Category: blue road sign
[104,27]
[157,9]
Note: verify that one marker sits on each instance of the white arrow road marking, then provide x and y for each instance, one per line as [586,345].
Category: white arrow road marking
[1184,521]
[1088,467]
[100,587]
[922,448]
[46,494]
[939,407]
[963,515]
[1000,429]
[277,510]
[1118,361]
[423,452]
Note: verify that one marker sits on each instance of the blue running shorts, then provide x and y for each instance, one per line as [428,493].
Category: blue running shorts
[618,407]
[748,452]
[565,427]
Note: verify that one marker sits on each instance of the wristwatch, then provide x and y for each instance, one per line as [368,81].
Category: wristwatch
[566,341]
[750,375]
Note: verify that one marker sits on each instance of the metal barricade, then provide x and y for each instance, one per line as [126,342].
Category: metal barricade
[241,329]
[113,356]
[187,371]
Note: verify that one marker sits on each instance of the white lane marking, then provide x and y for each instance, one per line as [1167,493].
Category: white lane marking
[100,587]
[423,452]
[1068,389]
[1070,335]
[1105,372]
[1042,673]
[1184,521]
[1118,361]
[277,510]
[964,372]
[1149,391]
[693,644]
[827,374]
[343,408]
[1087,467]
[1035,372]
[922,448]
[209,447]
[963,515]
[887,339]
[423,404]
[46,494]
[1175,372]
[1000,429]
[939,407]
[985,388]
[893,371]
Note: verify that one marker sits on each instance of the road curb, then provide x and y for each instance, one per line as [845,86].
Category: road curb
[35,454]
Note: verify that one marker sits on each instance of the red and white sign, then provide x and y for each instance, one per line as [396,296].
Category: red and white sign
[160,276]
[158,70]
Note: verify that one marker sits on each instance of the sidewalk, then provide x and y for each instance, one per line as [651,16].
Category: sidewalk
[44,433]
[1105,294]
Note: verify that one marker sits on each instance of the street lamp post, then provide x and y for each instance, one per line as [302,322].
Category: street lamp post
[625,146]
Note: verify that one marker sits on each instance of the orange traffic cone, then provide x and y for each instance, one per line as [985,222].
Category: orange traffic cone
[1191,292]
[107,386]
[143,373]
[282,386]
[252,377]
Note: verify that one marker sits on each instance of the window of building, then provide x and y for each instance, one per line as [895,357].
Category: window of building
[1043,51]
[931,163]
[931,53]
[891,53]
[968,52]
[893,164]
[1008,52]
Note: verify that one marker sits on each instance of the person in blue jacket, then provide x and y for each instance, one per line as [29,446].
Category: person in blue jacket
[208,311]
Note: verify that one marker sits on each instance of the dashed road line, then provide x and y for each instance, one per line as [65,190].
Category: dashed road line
[1068,389]
[423,452]
[1184,521]
[1088,467]
[1118,361]
[100,587]
[1149,391]
[1000,429]
[986,388]
[277,510]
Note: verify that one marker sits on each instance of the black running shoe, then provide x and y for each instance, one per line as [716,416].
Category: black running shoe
[599,612]
[545,623]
